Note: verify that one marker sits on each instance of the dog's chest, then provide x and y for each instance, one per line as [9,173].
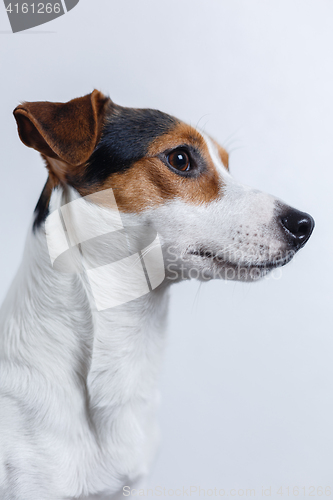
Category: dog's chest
[85,394]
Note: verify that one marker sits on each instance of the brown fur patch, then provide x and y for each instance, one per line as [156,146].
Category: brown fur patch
[149,182]
[64,133]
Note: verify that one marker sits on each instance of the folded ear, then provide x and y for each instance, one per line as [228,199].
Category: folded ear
[67,132]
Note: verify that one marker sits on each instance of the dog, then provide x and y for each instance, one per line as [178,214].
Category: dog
[78,390]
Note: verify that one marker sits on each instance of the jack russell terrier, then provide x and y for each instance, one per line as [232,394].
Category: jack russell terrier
[80,347]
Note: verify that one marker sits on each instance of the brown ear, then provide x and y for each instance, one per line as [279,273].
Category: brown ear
[63,131]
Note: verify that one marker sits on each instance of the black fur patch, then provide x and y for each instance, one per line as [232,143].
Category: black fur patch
[42,207]
[126,136]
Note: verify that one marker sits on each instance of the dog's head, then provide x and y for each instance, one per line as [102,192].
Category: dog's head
[169,176]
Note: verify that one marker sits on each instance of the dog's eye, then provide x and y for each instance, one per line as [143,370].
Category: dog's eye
[179,160]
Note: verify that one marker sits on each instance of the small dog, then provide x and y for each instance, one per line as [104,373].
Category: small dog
[78,375]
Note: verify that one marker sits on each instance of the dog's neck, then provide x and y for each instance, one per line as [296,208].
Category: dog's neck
[100,368]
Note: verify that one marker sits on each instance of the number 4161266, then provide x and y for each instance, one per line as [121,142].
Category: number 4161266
[38,8]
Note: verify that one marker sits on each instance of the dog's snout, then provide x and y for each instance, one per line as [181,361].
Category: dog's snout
[298,225]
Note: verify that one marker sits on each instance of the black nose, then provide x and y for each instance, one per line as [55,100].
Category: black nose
[298,226]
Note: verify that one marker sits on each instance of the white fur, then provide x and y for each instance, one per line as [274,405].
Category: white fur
[78,387]
[78,390]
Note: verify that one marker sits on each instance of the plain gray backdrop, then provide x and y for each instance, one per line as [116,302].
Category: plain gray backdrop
[247,382]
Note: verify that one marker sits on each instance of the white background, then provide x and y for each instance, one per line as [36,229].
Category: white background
[247,383]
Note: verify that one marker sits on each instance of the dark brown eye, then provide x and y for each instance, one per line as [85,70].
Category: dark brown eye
[180,160]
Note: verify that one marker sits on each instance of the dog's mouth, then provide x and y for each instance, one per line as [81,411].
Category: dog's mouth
[220,259]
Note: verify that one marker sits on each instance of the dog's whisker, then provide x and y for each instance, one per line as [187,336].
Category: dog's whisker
[196,298]
[203,116]
[145,253]
[232,150]
[230,137]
